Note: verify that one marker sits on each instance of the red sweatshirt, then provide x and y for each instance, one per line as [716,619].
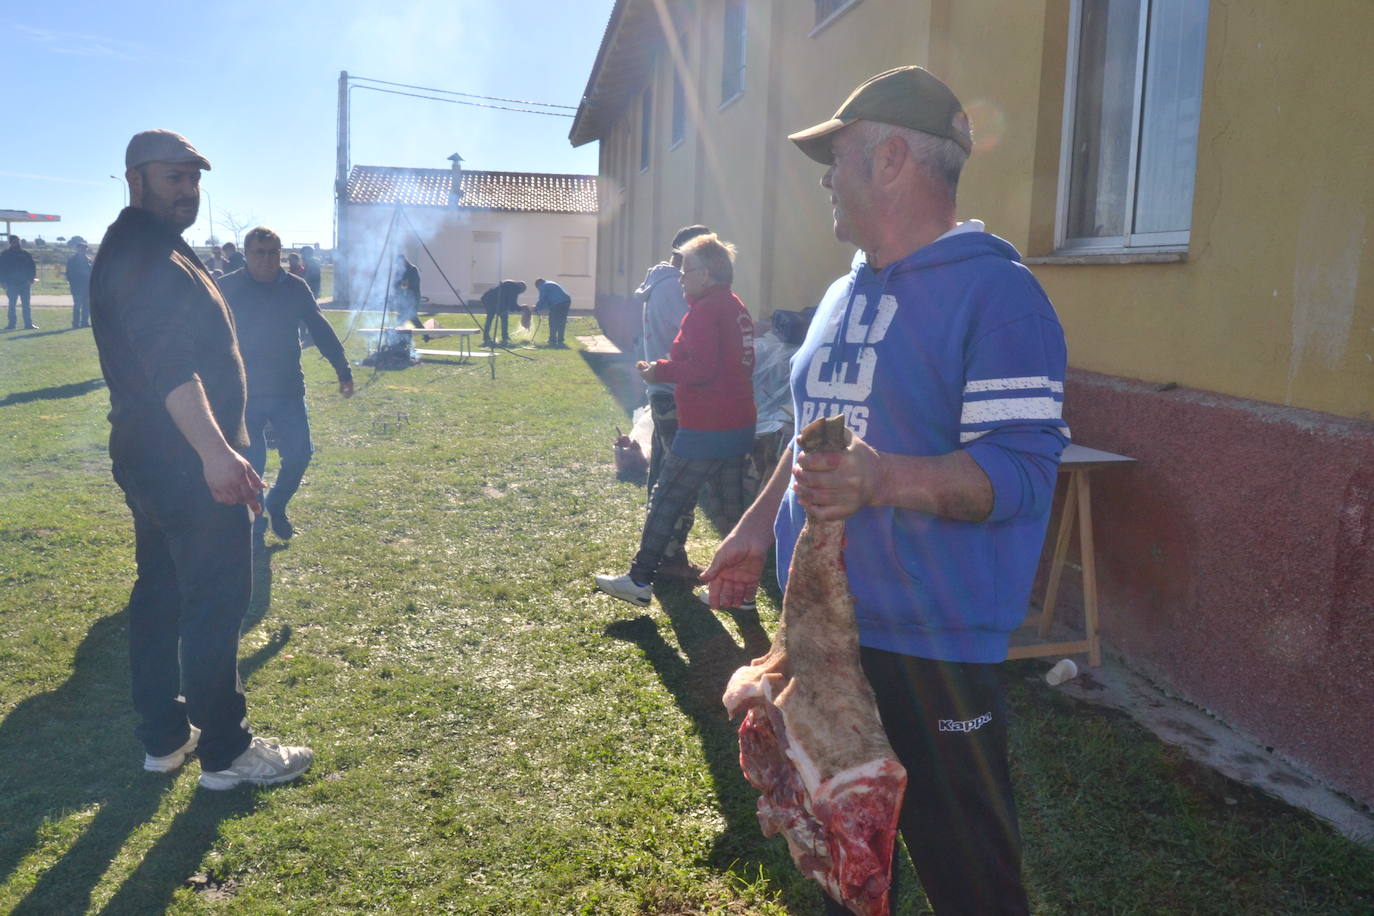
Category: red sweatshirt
[712,363]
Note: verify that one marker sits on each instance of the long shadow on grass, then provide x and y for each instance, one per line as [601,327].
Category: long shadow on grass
[697,682]
[39,333]
[53,392]
[173,861]
[72,750]
[617,372]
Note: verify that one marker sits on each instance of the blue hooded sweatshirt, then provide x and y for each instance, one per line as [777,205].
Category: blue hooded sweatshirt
[955,346]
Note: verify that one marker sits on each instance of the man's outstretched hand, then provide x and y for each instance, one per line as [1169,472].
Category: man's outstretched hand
[734,574]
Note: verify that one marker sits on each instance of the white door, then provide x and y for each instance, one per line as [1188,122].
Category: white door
[486,261]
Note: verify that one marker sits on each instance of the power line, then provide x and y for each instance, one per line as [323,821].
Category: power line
[430,98]
[468,95]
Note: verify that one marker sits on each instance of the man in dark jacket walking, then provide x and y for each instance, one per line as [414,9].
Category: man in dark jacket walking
[269,305]
[17,273]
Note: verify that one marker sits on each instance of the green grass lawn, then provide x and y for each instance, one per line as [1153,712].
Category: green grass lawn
[491,736]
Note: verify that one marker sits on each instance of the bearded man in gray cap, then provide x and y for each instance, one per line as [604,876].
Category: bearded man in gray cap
[171,361]
[947,362]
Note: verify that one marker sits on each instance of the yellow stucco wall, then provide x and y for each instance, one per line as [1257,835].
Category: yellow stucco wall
[1275,300]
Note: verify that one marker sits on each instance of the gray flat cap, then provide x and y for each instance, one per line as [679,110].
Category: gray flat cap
[162,146]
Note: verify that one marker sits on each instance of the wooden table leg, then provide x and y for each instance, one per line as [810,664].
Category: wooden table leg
[1087,556]
[1061,549]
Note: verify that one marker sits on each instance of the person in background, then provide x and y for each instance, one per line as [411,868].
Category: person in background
[558,302]
[499,302]
[233,258]
[711,361]
[79,279]
[406,287]
[311,262]
[17,273]
[664,307]
[294,266]
[947,361]
[268,305]
[170,360]
[214,262]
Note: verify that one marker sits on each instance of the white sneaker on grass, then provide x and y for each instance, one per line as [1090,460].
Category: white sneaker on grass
[169,762]
[704,596]
[264,763]
[625,588]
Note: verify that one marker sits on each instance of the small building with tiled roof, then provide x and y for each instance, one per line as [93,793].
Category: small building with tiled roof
[499,225]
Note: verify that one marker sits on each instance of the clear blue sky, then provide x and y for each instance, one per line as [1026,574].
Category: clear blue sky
[254,86]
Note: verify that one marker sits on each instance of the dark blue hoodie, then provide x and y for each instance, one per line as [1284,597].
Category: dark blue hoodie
[955,346]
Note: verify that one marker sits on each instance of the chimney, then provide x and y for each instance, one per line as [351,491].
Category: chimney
[455,191]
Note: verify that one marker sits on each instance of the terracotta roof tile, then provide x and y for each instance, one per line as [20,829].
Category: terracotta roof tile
[533,192]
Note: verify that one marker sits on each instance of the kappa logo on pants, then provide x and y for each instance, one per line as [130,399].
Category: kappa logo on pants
[968,725]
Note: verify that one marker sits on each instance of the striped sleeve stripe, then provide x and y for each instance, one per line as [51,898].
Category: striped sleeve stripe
[969,435]
[1002,410]
[1013,384]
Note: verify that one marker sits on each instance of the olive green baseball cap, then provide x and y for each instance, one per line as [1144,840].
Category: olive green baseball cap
[906,97]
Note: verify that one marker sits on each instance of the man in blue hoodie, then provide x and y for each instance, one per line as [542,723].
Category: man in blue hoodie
[947,361]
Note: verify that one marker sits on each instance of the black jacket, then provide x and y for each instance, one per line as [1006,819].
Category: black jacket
[266,316]
[16,267]
[159,322]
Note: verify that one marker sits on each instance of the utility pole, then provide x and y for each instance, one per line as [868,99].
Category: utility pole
[341,290]
[210,205]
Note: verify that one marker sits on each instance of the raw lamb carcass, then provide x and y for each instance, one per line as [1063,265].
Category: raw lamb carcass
[811,740]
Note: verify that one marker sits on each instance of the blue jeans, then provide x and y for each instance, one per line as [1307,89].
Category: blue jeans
[288,417]
[17,293]
[81,308]
[195,578]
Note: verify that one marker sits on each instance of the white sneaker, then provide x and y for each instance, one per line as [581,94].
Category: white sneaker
[170,762]
[624,588]
[704,596]
[264,763]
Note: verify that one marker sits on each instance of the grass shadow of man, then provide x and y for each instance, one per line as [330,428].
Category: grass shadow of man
[73,749]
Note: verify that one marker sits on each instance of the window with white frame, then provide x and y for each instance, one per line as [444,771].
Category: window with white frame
[646,126]
[732,57]
[1133,104]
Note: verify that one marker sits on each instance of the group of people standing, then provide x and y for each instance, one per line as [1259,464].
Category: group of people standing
[947,362]
[226,258]
[938,347]
[18,273]
[698,363]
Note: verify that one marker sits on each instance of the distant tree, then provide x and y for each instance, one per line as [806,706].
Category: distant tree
[61,240]
[235,224]
[39,243]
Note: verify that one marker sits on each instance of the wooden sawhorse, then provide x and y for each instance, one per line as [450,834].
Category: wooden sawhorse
[1077,465]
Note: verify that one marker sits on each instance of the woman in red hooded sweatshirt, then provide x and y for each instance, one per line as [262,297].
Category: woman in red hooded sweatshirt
[711,362]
